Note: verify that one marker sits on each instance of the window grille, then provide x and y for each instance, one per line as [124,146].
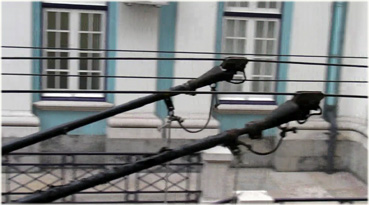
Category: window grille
[252,27]
[73,28]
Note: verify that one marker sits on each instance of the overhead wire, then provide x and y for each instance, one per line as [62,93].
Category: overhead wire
[177,78]
[172,92]
[180,59]
[185,52]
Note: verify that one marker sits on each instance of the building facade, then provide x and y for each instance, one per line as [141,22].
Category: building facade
[102,29]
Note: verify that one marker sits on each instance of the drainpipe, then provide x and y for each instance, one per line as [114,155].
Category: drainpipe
[333,73]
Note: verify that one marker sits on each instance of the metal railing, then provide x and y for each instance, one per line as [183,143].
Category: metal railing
[26,173]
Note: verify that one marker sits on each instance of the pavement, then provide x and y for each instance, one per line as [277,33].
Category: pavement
[302,184]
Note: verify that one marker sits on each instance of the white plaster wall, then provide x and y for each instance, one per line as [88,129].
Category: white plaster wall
[195,31]
[16,31]
[310,36]
[355,44]
[137,30]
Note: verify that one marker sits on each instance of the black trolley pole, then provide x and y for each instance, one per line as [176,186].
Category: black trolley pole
[224,72]
[298,108]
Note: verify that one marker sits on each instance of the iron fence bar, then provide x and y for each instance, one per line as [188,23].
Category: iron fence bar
[182,52]
[224,72]
[180,78]
[84,164]
[297,108]
[177,59]
[173,92]
[281,200]
[114,192]
[82,153]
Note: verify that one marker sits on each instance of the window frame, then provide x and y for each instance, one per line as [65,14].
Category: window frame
[251,14]
[77,9]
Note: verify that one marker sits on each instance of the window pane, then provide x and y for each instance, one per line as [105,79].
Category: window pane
[273,5]
[64,39]
[83,40]
[270,47]
[230,28]
[95,81]
[268,69]
[240,46]
[84,22]
[97,22]
[244,4]
[229,46]
[51,39]
[64,24]
[256,84]
[259,29]
[63,80]
[64,63]
[50,80]
[258,46]
[261,4]
[96,41]
[96,63]
[83,63]
[256,70]
[241,29]
[51,20]
[83,81]
[267,85]
[50,62]
[231,4]
[271,28]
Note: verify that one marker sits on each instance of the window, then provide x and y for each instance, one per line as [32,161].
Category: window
[73,28]
[252,27]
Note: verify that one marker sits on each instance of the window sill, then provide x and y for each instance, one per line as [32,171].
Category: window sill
[245,109]
[72,105]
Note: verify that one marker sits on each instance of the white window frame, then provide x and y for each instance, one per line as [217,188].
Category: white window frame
[74,42]
[250,42]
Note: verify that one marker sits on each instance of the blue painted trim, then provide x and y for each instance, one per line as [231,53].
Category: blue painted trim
[36,42]
[219,30]
[111,44]
[52,118]
[335,48]
[284,48]
[167,28]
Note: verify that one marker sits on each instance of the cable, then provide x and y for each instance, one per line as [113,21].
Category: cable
[166,92]
[182,59]
[181,78]
[209,116]
[184,52]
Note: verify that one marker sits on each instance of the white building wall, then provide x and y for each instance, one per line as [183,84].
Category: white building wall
[195,31]
[310,36]
[16,117]
[137,30]
[16,31]
[355,44]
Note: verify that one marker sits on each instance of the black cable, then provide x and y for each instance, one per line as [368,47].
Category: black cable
[182,78]
[183,52]
[208,120]
[182,59]
[172,92]
[249,147]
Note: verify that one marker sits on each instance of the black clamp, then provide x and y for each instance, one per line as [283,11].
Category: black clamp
[284,130]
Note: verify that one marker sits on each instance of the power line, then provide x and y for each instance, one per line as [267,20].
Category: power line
[183,52]
[178,78]
[181,59]
[171,92]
